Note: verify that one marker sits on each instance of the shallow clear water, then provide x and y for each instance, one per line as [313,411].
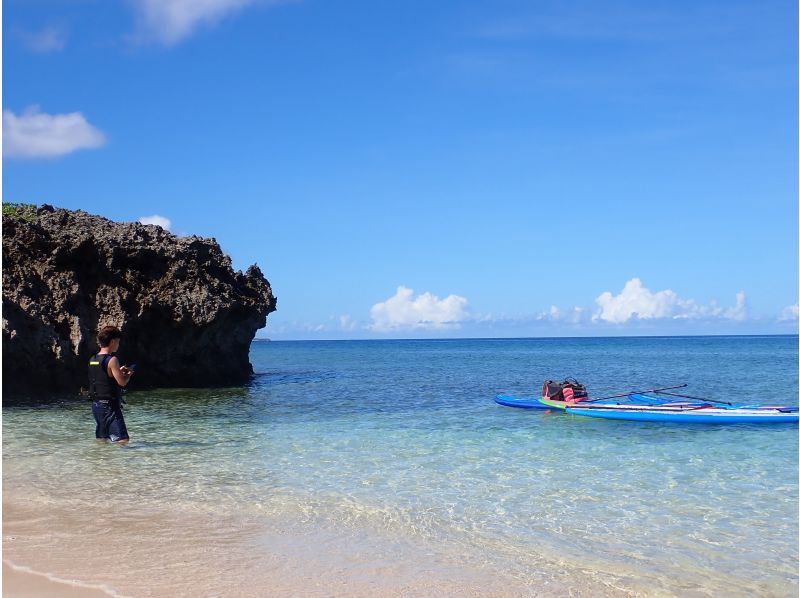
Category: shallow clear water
[397,448]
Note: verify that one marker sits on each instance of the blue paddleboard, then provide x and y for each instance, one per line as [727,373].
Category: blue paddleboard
[689,413]
[520,402]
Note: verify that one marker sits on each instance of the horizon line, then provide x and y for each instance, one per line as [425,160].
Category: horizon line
[520,338]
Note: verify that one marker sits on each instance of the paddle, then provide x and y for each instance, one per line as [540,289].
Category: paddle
[625,394]
[673,394]
[779,407]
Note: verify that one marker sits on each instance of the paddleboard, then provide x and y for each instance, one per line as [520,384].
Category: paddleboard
[687,413]
[553,404]
[519,402]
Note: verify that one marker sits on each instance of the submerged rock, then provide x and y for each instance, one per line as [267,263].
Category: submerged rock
[187,319]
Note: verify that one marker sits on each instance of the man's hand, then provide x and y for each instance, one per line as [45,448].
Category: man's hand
[126,370]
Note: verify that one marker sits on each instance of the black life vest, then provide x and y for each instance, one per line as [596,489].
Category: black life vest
[101,385]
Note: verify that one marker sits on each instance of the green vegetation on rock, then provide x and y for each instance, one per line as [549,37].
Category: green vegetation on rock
[23,211]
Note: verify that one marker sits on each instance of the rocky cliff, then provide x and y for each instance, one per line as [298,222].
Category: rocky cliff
[187,319]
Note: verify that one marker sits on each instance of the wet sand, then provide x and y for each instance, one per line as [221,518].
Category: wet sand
[181,554]
[19,583]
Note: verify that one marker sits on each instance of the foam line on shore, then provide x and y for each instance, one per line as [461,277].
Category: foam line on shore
[71,583]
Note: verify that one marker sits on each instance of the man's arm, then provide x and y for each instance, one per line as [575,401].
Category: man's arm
[121,374]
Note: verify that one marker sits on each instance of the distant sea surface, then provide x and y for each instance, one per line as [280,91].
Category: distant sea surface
[385,467]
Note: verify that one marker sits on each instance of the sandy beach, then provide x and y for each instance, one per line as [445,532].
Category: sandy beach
[22,583]
[180,555]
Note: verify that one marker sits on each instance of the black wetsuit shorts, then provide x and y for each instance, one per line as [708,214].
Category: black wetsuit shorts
[110,423]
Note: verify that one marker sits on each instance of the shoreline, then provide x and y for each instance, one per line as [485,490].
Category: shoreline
[173,553]
[23,582]
[176,553]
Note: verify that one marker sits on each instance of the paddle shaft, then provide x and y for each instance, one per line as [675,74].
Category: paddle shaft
[673,394]
[625,394]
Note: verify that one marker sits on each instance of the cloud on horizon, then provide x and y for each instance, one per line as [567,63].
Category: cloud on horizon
[636,302]
[36,134]
[346,322]
[790,313]
[635,309]
[172,21]
[423,312]
[161,221]
[575,315]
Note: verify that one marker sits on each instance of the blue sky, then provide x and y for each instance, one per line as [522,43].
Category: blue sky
[433,169]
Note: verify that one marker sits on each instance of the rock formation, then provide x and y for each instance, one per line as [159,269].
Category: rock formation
[186,317]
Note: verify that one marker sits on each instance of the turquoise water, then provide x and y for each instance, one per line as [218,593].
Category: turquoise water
[399,443]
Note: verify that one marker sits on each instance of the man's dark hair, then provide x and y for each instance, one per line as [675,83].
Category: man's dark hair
[108,334]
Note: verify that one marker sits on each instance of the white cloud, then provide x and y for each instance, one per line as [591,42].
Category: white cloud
[49,39]
[638,302]
[347,323]
[555,314]
[171,21]
[161,221]
[35,134]
[789,313]
[425,311]
[739,311]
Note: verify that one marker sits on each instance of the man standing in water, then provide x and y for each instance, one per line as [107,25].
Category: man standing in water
[106,379]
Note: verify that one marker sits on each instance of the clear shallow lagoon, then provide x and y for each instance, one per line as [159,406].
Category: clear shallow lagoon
[390,459]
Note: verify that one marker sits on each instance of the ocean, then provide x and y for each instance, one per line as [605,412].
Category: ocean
[386,468]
